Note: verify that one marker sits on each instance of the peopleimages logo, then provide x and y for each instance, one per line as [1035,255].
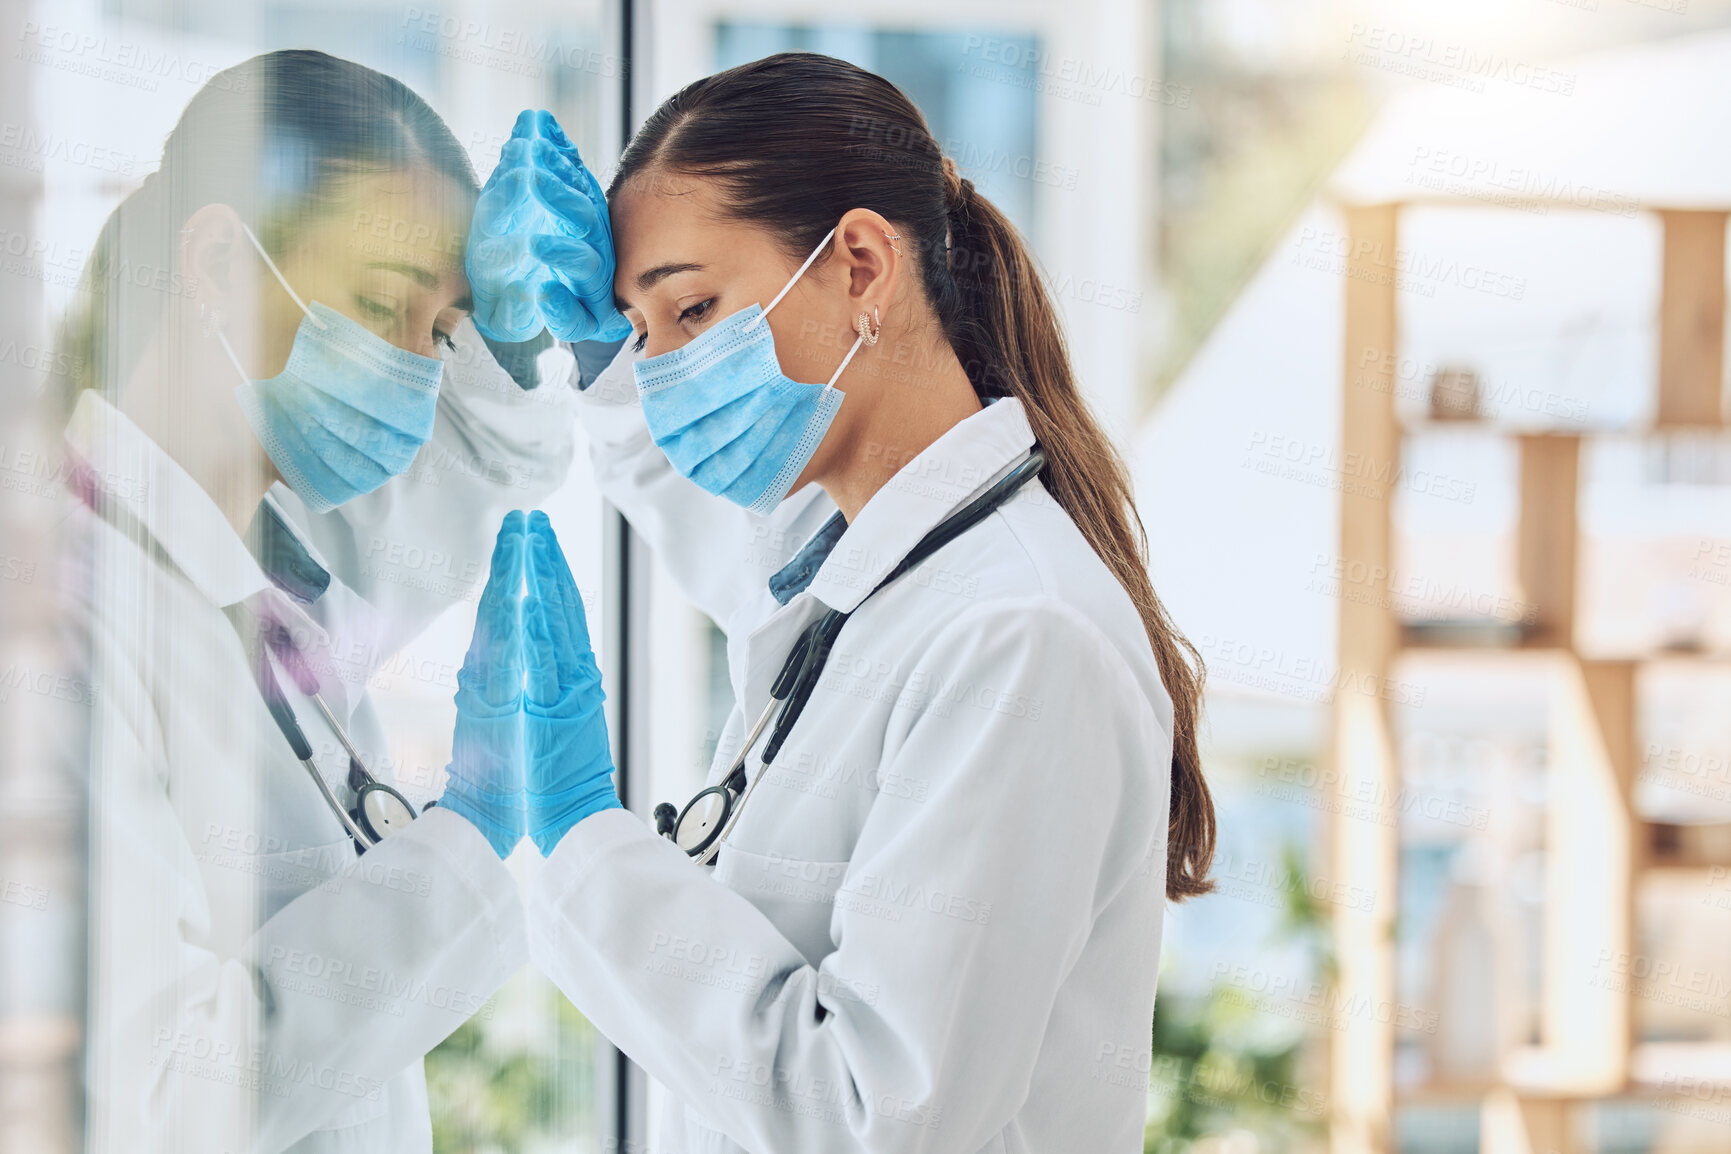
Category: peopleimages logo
[1409,269]
[1360,474]
[1455,65]
[1510,185]
[130,64]
[1068,77]
[500,47]
[17,678]
[22,146]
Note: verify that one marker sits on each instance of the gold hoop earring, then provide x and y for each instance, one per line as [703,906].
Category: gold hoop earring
[864,327]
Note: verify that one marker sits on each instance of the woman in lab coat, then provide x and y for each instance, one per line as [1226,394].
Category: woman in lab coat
[252,984]
[936,924]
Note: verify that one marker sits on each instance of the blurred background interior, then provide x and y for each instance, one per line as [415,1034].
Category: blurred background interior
[1410,317]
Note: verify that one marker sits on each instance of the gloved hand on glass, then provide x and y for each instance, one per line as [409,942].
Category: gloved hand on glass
[531,752]
[540,249]
[567,762]
[486,770]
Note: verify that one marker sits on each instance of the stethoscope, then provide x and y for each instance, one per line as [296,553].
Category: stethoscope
[379,810]
[699,828]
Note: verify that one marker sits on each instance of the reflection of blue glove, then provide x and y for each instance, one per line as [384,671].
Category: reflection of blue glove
[486,771]
[540,247]
[570,770]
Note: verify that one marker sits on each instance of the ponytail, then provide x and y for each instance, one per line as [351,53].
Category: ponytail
[1006,333]
[796,140]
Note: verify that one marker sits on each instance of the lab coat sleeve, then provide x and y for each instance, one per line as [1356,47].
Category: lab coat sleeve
[717,553]
[959,917]
[201,1050]
[368,977]
[419,544]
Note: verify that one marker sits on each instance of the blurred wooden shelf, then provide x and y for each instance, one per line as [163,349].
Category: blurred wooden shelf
[1548,1072]
[1445,1093]
[1493,638]
[1597,847]
[1680,1069]
[1467,634]
[1688,847]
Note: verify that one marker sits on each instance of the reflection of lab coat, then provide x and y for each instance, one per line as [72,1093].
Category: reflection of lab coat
[253,986]
[937,924]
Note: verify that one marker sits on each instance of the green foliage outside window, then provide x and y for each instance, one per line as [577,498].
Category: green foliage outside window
[1220,1078]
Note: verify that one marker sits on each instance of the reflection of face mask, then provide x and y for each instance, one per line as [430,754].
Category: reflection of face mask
[727,418]
[348,412]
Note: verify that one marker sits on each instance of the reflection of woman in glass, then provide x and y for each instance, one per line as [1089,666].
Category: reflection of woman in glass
[252,985]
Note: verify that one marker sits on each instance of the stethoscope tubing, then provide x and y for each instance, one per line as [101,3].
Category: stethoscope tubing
[283,714]
[714,846]
[804,665]
[343,738]
[85,483]
[349,823]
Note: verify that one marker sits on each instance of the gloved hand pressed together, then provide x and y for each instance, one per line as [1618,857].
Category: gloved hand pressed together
[486,770]
[530,753]
[567,761]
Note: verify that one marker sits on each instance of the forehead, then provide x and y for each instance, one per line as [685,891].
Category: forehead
[415,217]
[662,219]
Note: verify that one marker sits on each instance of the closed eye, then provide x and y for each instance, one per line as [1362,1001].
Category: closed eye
[379,309]
[692,314]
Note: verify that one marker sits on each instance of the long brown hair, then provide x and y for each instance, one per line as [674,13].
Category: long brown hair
[798,139]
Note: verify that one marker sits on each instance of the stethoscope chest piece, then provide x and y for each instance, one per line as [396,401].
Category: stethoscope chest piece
[381,810]
[702,820]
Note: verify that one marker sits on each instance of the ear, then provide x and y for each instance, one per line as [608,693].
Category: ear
[867,245]
[216,256]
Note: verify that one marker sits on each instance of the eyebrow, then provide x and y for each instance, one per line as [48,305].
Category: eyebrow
[425,279]
[414,272]
[649,278]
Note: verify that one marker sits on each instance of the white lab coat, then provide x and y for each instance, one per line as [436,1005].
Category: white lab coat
[937,925]
[252,985]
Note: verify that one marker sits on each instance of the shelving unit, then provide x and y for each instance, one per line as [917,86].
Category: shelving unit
[1597,848]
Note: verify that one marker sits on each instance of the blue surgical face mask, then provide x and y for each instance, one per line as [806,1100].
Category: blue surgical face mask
[348,412]
[726,416]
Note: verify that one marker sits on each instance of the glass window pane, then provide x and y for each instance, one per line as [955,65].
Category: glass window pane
[257,455]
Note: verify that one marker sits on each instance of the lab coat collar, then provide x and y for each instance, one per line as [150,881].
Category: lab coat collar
[791,579]
[134,472]
[954,468]
[291,563]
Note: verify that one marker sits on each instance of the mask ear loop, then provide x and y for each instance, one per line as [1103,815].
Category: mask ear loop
[786,288]
[815,253]
[222,337]
[280,278]
[857,341]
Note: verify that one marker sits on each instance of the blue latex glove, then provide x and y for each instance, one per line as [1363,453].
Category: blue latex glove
[486,770]
[570,769]
[540,248]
